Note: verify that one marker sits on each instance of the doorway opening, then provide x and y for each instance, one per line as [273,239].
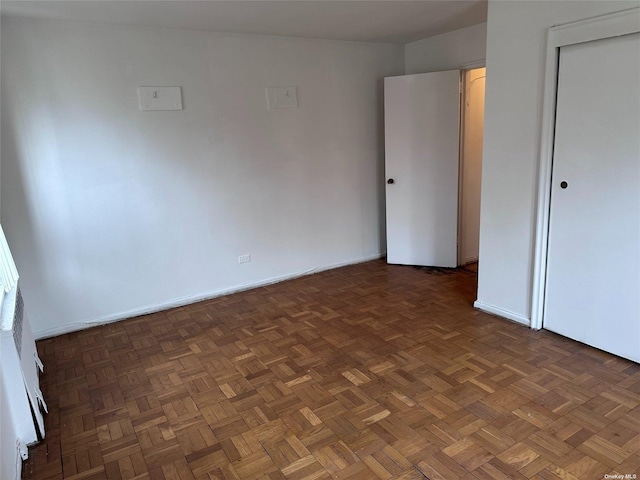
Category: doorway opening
[470,169]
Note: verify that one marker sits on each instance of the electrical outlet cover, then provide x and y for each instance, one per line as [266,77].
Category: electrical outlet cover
[160,98]
[282,97]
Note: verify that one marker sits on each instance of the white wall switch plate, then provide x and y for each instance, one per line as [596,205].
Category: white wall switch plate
[160,98]
[282,97]
[244,258]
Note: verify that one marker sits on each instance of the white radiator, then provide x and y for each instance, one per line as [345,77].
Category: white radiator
[21,401]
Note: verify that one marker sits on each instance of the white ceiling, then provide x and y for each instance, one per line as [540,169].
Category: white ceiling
[394,21]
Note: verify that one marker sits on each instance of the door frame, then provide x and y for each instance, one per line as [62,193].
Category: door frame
[461,160]
[606,26]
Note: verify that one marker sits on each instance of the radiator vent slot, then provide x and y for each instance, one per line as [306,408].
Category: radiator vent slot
[18,317]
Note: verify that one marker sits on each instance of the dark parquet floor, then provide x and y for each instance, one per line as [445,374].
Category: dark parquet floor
[369,371]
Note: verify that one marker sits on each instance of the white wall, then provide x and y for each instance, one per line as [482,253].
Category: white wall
[448,51]
[515,68]
[111,211]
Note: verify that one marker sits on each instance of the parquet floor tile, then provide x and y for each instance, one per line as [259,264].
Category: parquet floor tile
[370,371]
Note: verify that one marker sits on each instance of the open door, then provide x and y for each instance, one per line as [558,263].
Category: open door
[422,128]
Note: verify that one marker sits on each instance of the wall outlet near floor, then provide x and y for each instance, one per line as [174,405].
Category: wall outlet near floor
[244,258]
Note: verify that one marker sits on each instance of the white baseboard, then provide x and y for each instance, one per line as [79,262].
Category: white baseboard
[189,299]
[500,312]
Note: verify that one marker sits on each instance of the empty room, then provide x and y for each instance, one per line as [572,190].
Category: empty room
[296,240]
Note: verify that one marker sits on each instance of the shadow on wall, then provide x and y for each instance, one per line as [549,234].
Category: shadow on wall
[19,220]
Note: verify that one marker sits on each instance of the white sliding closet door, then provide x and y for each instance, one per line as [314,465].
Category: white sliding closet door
[593,274]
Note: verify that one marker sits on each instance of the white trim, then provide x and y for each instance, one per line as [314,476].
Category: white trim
[189,299]
[500,312]
[605,26]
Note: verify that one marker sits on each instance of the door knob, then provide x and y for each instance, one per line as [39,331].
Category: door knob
[564,184]
[390,181]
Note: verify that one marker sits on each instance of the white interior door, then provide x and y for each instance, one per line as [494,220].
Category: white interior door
[593,274]
[422,127]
